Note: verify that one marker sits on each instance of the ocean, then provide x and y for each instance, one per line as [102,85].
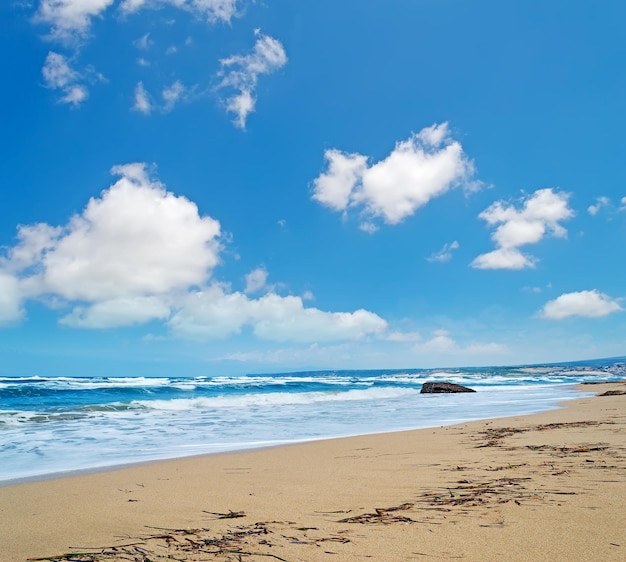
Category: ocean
[55,425]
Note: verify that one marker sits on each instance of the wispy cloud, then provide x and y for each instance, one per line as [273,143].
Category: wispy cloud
[211,10]
[256,280]
[173,94]
[59,75]
[144,42]
[443,342]
[143,102]
[70,20]
[601,202]
[403,337]
[539,216]
[10,299]
[240,73]
[445,254]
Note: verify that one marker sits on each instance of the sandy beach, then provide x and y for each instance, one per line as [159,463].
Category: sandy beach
[550,486]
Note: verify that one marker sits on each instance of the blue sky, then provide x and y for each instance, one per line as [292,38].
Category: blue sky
[223,186]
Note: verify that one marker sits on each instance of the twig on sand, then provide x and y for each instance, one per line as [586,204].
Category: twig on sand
[230,515]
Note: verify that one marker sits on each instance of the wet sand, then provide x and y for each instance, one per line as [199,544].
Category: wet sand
[550,486]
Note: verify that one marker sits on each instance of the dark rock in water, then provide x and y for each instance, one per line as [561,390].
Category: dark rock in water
[435,387]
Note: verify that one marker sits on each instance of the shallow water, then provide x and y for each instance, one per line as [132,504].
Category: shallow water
[52,425]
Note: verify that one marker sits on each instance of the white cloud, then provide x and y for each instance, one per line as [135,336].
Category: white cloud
[70,20]
[10,299]
[239,74]
[57,72]
[311,354]
[404,337]
[138,253]
[623,204]
[135,242]
[135,239]
[601,202]
[75,95]
[214,313]
[423,167]
[255,280]
[143,102]
[528,289]
[369,227]
[445,254]
[173,94]
[587,304]
[58,75]
[212,10]
[112,313]
[144,42]
[540,215]
[442,342]
[334,188]
[504,258]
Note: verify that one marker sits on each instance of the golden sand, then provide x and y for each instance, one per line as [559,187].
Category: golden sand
[550,486]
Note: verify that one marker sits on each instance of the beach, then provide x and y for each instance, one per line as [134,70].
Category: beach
[547,486]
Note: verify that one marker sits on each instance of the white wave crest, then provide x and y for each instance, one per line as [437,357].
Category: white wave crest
[273,399]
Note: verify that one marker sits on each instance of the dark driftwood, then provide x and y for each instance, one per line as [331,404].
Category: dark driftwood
[438,387]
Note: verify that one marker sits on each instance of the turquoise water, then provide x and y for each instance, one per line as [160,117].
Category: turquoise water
[59,424]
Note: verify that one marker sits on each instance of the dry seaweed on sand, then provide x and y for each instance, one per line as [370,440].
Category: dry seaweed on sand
[179,544]
[382,515]
[235,544]
[493,436]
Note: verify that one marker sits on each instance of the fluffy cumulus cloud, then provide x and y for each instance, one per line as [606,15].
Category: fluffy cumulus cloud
[216,313]
[134,242]
[139,253]
[586,304]
[59,75]
[239,75]
[425,166]
[623,204]
[540,215]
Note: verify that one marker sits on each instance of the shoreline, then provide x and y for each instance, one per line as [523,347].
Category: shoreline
[514,488]
[122,464]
